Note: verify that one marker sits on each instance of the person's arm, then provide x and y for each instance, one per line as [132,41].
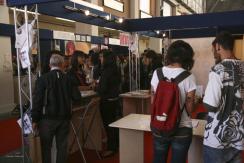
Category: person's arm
[212,95]
[103,83]
[190,86]
[154,84]
[190,104]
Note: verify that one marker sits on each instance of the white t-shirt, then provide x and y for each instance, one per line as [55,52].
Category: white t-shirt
[187,85]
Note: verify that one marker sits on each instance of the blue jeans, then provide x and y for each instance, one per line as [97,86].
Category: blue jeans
[179,145]
[214,155]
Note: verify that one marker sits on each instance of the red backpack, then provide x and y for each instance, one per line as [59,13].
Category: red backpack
[166,111]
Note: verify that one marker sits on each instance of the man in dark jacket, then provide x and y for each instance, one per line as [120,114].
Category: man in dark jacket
[51,110]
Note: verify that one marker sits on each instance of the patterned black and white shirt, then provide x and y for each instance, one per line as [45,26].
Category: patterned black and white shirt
[223,98]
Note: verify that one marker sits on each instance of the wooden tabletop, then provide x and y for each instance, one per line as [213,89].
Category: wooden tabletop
[143,94]
[141,122]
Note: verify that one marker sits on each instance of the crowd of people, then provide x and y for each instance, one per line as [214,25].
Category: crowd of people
[101,71]
[108,75]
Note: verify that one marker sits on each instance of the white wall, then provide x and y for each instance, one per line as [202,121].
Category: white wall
[6,70]
[155,44]
[204,59]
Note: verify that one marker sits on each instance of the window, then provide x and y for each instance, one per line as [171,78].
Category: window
[145,6]
[196,5]
[167,9]
[114,4]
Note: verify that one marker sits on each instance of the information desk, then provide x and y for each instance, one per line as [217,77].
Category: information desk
[136,102]
[136,139]
[91,121]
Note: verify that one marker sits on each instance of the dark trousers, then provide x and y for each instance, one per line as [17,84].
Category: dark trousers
[179,145]
[60,129]
[109,113]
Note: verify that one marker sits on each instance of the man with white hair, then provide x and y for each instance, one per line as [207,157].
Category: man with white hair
[51,110]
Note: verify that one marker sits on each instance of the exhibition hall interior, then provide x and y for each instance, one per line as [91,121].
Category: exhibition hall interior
[121,81]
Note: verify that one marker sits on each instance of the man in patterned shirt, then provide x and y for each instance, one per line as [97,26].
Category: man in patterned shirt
[224,132]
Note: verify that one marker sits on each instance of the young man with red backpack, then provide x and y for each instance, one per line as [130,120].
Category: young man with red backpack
[173,92]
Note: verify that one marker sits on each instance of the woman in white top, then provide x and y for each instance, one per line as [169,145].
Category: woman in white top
[179,58]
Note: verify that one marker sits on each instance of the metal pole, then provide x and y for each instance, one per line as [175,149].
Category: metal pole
[29,67]
[130,62]
[132,72]
[139,76]
[136,70]
[38,41]
[19,87]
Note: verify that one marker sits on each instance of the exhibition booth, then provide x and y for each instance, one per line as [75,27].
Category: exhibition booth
[134,126]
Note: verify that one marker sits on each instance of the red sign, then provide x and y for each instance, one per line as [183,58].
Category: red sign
[124,39]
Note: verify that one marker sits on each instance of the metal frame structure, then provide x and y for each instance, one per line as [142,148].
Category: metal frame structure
[166,43]
[134,63]
[22,16]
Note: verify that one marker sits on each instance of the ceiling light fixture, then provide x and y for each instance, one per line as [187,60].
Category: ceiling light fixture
[121,20]
[164,35]
[87,12]
[107,17]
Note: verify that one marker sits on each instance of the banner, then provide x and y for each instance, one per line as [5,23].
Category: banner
[133,44]
[21,43]
[124,39]
[61,35]
[26,123]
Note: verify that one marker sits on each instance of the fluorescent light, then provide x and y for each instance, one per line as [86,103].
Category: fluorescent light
[109,28]
[121,20]
[65,19]
[107,17]
[87,12]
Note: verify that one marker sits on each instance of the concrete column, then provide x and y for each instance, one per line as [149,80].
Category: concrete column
[134,8]
[82,28]
[155,43]
[158,7]
[6,69]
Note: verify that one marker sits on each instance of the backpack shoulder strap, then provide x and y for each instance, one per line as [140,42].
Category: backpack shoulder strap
[160,74]
[182,76]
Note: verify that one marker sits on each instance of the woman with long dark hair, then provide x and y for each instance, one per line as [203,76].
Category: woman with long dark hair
[108,89]
[76,72]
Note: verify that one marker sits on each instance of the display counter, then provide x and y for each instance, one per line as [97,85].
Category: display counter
[91,122]
[136,139]
[136,102]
